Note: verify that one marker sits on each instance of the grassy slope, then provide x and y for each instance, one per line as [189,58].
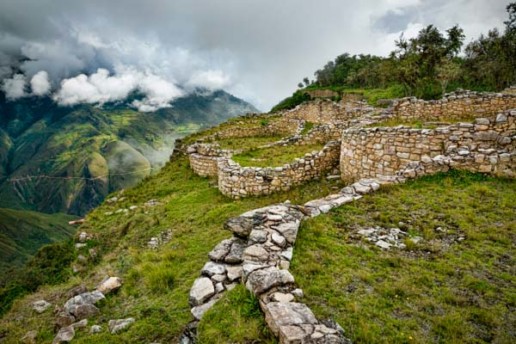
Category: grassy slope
[274,156]
[464,294]
[23,232]
[157,283]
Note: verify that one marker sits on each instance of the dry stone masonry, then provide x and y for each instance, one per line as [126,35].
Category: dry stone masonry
[487,146]
[236,181]
[456,105]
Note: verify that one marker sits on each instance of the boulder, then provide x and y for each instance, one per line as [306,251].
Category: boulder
[40,306]
[84,311]
[201,291]
[65,335]
[118,325]
[109,285]
[64,319]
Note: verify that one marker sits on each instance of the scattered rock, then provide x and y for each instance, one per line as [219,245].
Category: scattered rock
[116,326]
[80,324]
[83,237]
[65,335]
[96,329]
[80,289]
[63,319]
[41,306]
[109,285]
[30,337]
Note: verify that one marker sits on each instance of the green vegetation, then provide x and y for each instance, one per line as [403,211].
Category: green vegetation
[247,142]
[308,126]
[22,233]
[50,265]
[236,318]
[156,283]
[39,138]
[291,102]
[426,66]
[456,293]
[274,156]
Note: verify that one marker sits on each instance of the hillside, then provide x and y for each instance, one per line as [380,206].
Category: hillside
[67,159]
[22,233]
[165,238]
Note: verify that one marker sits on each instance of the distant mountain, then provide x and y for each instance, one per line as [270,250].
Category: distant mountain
[67,159]
[23,232]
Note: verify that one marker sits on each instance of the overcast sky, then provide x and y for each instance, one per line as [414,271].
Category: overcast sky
[256,49]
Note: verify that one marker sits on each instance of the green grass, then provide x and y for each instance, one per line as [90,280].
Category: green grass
[274,156]
[308,126]
[23,232]
[248,142]
[236,318]
[156,283]
[463,294]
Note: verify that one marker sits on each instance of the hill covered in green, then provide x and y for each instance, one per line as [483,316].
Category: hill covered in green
[67,159]
[23,232]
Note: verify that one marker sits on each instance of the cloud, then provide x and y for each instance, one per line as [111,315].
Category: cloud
[39,84]
[259,50]
[210,79]
[101,87]
[14,87]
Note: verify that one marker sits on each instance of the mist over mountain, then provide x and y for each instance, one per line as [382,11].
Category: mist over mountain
[56,158]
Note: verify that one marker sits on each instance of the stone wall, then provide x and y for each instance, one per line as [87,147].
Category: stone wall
[236,181]
[272,126]
[204,158]
[455,105]
[486,146]
[322,111]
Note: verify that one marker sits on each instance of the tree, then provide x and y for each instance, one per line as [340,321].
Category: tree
[448,70]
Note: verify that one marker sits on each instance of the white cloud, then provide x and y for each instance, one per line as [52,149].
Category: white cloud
[39,84]
[210,79]
[101,87]
[14,87]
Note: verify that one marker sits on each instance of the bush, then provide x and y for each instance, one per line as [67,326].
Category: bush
[291,102]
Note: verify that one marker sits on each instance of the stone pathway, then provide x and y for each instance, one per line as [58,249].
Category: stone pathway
[259,255]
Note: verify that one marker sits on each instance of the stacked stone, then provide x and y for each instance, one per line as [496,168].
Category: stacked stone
[323,111]
[204,158]
[236,181]
[486,146]
[453,106]
[283,125]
